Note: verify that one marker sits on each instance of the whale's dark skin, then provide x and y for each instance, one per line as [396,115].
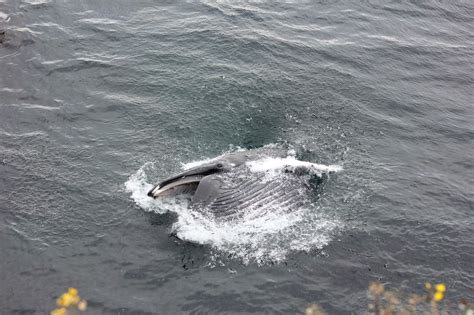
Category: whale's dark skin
[225,186]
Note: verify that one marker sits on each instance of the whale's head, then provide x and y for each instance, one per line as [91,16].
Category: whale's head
[188,180]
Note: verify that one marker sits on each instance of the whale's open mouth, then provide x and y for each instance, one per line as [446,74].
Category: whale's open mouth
[185,182]
[181,185]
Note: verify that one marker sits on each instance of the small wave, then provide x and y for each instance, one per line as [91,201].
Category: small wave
[259,235]
[3,16]
[37,2]
[99,21]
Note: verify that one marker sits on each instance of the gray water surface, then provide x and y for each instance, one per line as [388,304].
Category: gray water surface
[92,92]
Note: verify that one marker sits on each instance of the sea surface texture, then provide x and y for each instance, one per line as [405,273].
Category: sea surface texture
[100,100]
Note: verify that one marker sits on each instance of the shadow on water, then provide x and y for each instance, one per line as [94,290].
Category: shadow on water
[166,218]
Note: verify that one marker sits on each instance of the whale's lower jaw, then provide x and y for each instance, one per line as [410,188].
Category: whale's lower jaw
[185,185]
[190,176]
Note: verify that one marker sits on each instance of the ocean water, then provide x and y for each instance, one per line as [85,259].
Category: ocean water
[99,100]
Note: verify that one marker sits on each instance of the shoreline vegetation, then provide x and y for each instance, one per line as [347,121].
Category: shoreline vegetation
[394,302]
[380,302]
[69,303]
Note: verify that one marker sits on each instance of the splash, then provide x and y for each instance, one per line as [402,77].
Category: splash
[138,186]
[259,235]
[291,164]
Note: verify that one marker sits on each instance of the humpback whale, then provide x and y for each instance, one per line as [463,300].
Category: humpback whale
[233,182]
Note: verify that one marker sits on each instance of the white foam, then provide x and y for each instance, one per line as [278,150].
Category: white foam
[138,186]
[261,235]
[289,163]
